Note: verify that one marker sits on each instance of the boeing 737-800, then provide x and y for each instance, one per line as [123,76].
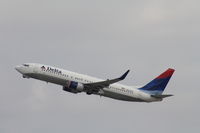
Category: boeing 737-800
[77,83]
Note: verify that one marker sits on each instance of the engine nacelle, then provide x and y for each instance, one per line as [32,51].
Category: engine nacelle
[73,87]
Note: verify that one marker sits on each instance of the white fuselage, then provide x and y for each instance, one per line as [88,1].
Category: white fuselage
[61,77]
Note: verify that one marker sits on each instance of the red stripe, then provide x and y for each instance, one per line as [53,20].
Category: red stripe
[166,74]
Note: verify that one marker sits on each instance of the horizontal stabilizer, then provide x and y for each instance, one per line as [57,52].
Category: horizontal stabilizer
[161,96]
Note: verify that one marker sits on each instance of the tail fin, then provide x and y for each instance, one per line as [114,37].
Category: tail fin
[157,86]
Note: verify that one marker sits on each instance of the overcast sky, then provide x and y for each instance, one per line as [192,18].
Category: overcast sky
[100,38]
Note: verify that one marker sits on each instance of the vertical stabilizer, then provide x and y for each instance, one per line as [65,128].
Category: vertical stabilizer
[157,86]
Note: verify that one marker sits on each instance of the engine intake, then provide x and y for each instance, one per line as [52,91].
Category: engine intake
[73,87]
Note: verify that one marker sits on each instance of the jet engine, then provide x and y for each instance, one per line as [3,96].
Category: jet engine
[73,87]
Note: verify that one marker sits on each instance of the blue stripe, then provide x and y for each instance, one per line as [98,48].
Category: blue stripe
[156,86]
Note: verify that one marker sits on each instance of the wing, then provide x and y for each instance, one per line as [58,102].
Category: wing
[96,86]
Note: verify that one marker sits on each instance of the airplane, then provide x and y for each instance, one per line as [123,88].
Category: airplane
[76,83]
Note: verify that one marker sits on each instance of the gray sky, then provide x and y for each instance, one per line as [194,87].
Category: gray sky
[103,39]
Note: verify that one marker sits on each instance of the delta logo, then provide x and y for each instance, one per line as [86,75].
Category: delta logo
[43,68]
[49,69]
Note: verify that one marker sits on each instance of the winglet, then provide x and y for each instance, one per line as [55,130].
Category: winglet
[124,75]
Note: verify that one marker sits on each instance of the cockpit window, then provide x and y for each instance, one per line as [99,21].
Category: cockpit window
[26,65]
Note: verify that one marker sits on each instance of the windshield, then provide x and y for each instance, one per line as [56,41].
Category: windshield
[26,65]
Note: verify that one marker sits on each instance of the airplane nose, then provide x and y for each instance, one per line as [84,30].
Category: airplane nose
[18,68]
